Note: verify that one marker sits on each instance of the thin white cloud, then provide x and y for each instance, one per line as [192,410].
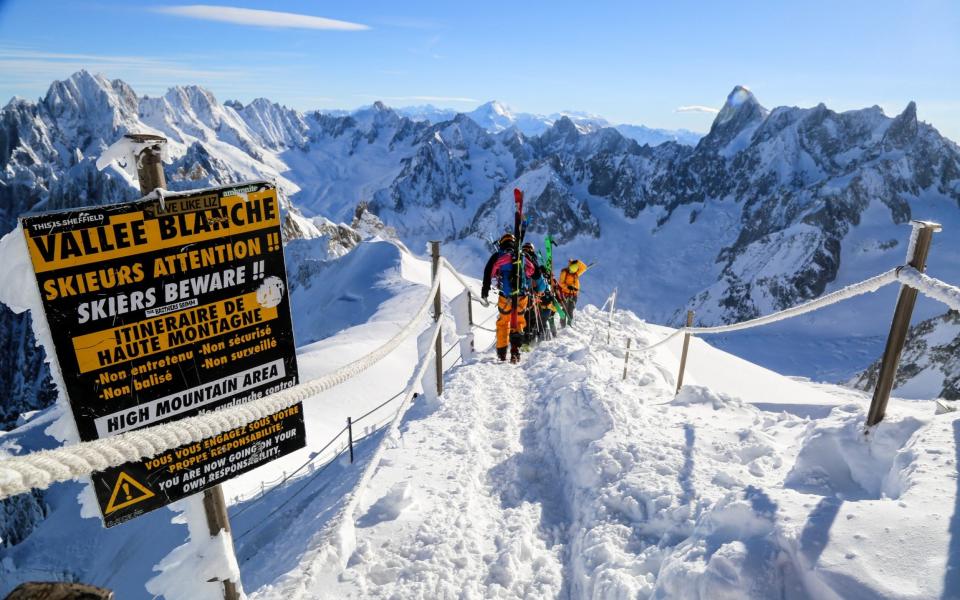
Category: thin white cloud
[257,18]
[697,108]
[33,64]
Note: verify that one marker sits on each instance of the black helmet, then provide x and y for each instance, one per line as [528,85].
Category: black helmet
[528,247]
[506,240]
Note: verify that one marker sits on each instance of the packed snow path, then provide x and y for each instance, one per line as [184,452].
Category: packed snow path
[471,500]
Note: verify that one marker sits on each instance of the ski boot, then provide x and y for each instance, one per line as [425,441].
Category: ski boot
[514,354]
[502,354]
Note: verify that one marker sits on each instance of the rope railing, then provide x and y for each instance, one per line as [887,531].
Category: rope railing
[857,289]
[869,285]
[912,280]
[312,476]
[930,286]
[474,296]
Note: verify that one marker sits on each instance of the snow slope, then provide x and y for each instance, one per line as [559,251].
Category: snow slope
[555,478]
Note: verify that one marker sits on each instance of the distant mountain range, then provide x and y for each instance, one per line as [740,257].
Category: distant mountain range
[769,208]
[496,117]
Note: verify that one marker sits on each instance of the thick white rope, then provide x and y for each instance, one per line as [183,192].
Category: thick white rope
[870,285]
[675,333]
[929,286]
[37,470]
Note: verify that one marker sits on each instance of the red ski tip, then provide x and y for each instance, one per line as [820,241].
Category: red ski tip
[517,195]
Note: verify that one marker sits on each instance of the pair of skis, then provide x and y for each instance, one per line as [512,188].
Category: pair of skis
[557,305]
[518,234]
[518,231]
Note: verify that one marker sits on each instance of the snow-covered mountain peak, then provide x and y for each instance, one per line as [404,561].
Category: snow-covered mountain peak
[93,106]
[376,117]
[740,98]
[904,129]
[735,123]
[493,116]
[88,90]
[563,129]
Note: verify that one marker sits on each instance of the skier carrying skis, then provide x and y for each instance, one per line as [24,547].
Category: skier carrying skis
[547,308]
[534,328]
[501,265]
[570,288]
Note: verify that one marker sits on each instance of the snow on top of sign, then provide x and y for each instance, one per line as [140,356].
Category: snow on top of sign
[125,151]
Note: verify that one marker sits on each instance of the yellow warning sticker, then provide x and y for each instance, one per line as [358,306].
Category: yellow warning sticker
[128,492]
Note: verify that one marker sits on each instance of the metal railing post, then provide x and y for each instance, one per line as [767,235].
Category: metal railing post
[435,252]
[920,238]
[683,355]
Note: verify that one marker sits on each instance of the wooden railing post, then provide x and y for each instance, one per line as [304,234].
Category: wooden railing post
[626,359]
[683,355]
[435,252]
[151,177]
[920,238]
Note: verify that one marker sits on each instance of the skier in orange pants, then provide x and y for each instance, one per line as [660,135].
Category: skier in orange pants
[501,265]
[505,306]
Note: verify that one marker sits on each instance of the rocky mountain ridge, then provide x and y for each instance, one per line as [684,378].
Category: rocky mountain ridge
[770,208]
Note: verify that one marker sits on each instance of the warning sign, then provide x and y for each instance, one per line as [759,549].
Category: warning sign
[164,310]
[122,496]
[133,489]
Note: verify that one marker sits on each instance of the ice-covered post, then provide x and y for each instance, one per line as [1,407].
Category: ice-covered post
[917,253]
[435,252]
[683,354]
[149,166]
[217,520]
[626,359]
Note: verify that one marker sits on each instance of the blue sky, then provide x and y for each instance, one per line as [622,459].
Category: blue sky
[635,62]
